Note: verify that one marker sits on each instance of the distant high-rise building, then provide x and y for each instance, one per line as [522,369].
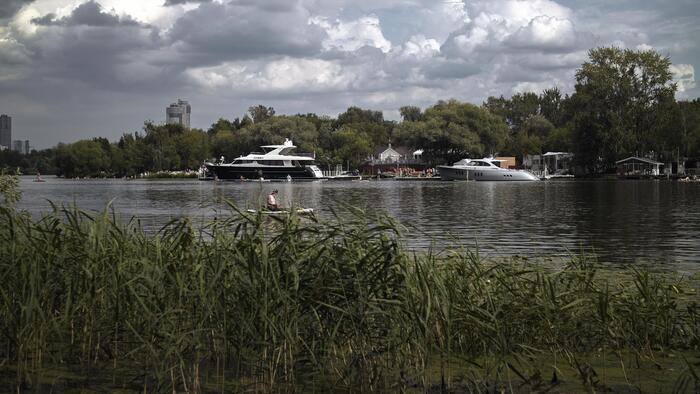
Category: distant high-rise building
[178,113]
[18,146]
[6,131]
[21,146]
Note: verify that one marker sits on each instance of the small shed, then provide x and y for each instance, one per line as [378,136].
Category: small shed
[638,166]
[558,162]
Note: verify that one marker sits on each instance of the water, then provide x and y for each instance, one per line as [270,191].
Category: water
[622,222]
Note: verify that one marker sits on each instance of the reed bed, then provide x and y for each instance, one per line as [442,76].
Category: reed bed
[259,304]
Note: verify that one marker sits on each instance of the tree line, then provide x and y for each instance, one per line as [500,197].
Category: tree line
[623,104]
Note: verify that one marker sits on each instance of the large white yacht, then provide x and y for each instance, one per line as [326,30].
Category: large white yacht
[482,170]
[275,162]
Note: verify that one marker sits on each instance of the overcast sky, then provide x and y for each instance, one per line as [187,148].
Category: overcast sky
[72,69]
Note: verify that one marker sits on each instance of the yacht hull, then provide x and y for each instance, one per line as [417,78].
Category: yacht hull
[451,173]
[230,172]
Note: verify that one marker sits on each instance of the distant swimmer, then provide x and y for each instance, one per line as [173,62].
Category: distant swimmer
[272,201]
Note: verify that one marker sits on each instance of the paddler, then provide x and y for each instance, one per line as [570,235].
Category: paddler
[272,201]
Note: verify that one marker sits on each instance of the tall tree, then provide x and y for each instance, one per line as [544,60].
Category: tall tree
[451,130]
[617,104]
[261,113]
[410,113]
[552,106]
[522,106]
[372,123]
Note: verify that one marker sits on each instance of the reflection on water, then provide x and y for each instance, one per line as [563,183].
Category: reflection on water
[633,221]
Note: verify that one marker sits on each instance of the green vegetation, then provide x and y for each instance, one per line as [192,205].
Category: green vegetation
[623,104]
[290,304]
[622,101]
[451,130]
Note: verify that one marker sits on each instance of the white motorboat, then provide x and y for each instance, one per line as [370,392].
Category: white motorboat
[482,170]
[275,162]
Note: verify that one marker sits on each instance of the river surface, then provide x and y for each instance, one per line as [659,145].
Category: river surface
[621,222]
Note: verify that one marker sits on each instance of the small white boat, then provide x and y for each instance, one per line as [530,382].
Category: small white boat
[482,170]
[299,211]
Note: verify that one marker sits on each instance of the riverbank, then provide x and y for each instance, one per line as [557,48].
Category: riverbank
[300,304]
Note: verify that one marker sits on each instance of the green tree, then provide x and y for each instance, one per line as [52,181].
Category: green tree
[498,106]
[529,140]
[552,106]
[351,146]
[359,115]
[192,147]
[370,122]
[261,113]
[689,124]
[411,113]
[222,124]
[138,156]
[452,130]
[522,106]
[85,158]
[559,140]
[617,104]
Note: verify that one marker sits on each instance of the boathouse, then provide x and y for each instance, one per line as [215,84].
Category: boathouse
[638,167]
[558,162]
[553,163]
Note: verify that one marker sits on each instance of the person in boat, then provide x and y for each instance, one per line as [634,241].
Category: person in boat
[272,201]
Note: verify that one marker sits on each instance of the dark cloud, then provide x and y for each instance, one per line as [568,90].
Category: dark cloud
[13,53]
[450,69]
[86,14]
[213,33]
[268,5]
[104,59]
[169,3]
[8,8]
[94,48]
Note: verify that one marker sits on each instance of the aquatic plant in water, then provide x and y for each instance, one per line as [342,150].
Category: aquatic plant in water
[259,303]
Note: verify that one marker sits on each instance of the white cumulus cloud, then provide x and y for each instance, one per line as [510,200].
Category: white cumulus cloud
[352,35]
[282,75]
[545,33]
[683,76]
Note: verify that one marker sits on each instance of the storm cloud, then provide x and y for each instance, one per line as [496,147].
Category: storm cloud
[77,69]
[8,8]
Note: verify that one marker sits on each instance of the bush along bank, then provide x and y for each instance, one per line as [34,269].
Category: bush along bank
[290,304]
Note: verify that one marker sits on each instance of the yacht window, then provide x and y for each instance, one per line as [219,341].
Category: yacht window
[272,162]
[286,151]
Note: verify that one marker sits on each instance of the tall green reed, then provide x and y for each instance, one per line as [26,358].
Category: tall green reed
[250,302]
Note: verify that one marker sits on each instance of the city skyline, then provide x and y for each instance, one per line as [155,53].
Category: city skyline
[6,140]
[103,67]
